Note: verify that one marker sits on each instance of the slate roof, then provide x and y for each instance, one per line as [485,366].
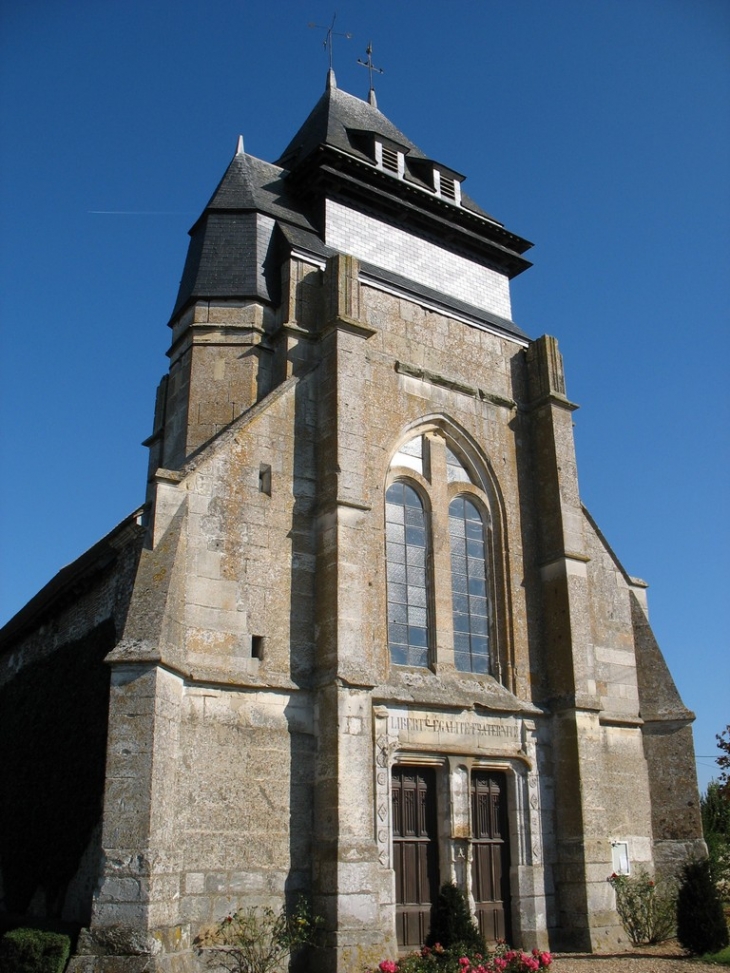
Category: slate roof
[250,184]
[329,121]
[339,120]
[228,247]
[74,579]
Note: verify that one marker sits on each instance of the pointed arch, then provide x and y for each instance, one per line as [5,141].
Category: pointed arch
[465,548]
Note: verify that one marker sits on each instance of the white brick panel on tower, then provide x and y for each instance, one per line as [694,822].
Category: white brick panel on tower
[403,253]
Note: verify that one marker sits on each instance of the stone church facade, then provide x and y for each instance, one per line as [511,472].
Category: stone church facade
[363,638]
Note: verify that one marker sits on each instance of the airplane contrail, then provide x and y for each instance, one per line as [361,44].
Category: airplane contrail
[138,212]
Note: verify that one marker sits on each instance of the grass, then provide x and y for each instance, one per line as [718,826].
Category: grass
[722,958]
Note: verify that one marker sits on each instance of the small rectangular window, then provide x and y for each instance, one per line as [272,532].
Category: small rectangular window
[257,646]
[265,479]
[620,857]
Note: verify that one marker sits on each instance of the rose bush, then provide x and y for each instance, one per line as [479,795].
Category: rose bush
[436,959]
[648,913]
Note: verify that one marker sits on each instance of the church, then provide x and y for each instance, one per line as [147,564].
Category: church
[362,637]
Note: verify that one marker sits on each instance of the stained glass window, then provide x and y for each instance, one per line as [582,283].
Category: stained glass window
[406,550]
[455,470]
[411,454]
[469,586]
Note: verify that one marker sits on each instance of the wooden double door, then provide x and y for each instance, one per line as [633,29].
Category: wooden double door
[415,852]
[416,855]
[490,855]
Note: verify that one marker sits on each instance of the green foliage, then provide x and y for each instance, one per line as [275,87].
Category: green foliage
[716,827]
[723,762]
[259,940]
[701,926]
[715,811]
[452,924]
[53,725]
[34,951]
[647,912]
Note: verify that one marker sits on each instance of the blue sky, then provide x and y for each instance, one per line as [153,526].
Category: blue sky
[599,130]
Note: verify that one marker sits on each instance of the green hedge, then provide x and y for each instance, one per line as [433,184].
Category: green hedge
[34,951]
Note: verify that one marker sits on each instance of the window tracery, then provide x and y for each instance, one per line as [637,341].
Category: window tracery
[438,555]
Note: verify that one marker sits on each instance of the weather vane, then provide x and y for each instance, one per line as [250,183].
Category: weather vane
[369,63]
[331,33]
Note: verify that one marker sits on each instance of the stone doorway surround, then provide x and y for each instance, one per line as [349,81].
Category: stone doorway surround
[456,744]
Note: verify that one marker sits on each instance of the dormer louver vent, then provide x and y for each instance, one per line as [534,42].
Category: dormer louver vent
[447,185]
[390,159]
[438,178]
[448,188]
[388,156]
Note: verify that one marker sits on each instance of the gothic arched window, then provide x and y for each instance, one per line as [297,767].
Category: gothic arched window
[438,558]
[407,546]
[469,586]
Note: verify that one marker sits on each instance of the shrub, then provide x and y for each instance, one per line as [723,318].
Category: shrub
[34,951]
[259,940]
[701,926]
[452,924]
[436,959]
[647,913]
[508,960]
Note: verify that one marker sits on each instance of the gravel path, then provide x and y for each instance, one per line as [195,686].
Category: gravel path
[666,958]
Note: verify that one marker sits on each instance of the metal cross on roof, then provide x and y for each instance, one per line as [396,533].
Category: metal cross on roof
[331,33]
[369,63]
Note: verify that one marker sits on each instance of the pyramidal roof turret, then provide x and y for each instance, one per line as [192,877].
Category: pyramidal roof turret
[252,184]
[223,260]
[341,121]
[335,115]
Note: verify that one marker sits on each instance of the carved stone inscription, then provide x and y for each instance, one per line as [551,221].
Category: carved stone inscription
[466,733]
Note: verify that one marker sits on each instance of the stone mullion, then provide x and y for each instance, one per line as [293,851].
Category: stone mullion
[443,620]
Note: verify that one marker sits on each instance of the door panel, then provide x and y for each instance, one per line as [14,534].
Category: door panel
[490,854]
[415,851]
